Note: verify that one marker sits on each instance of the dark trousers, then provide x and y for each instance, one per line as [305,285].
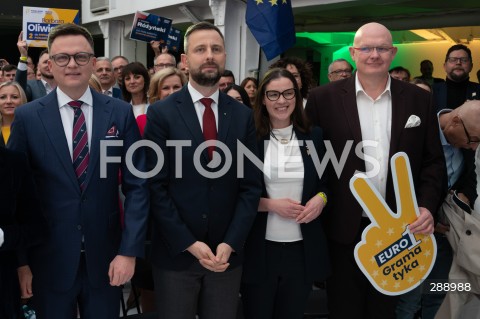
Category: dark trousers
[197,290]
[349,293]
[93,303]
[284,292]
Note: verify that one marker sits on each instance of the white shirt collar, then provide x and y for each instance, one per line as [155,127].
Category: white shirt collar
[359,87]
[63,98]
[196,96]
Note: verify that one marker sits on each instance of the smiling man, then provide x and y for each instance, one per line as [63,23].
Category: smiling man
[371,107]
[88,254]
[106,77]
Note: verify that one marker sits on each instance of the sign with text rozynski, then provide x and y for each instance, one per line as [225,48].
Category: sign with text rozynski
[147,27]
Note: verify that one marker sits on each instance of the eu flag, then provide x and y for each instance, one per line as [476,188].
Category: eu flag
[271,23]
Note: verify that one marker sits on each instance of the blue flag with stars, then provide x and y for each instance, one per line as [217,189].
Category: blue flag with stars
[271,23]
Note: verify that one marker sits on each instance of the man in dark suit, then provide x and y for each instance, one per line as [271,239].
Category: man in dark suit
[394,116]
[34,89]
[200,221]
[89,254]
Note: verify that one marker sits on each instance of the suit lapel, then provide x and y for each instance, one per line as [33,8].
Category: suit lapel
[399,116]
[187,112]
[224,117]
[349,104]
[308,179]
[52,122]
[102,112]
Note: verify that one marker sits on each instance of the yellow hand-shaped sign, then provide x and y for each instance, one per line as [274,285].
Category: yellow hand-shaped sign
[391,257]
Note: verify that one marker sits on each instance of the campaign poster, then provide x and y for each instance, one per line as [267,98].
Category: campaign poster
[393,259]
[37,23]
[147,27]
[174,38]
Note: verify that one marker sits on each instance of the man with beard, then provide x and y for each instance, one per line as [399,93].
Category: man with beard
[34,89]
[201,216]
[106,77]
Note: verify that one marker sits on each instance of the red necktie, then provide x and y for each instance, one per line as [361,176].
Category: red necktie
[209,125]
[81,155]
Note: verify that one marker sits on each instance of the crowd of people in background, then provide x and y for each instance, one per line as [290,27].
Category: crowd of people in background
[199,242]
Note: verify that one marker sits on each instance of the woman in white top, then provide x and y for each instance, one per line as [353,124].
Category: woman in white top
[286,249]
[135,84]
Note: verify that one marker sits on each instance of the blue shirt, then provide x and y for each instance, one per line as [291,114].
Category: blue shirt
[453,156]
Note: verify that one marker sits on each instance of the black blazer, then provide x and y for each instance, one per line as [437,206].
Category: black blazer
[314,241]
[195,207]
[333,107]
[22,222]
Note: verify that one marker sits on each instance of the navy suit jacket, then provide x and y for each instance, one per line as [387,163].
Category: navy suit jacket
[193,207]
[317,266]
[34,89]
[92,215]
[333,107]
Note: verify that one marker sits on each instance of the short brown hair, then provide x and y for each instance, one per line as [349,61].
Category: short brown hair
[204,25]
[69,29]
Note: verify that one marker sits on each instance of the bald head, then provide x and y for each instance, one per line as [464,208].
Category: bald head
[470,114]
[461,126]
[373,29]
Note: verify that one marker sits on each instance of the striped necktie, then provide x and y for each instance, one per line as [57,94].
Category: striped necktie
[81,155]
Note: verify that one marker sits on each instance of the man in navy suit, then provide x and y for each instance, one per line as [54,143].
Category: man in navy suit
[34,89]
[89,254]
[200,222]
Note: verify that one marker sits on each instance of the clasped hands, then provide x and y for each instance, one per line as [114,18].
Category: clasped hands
[289,208]
[215,263]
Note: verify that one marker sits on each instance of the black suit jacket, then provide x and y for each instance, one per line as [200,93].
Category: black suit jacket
[334,108]
[34,89]
[194,207]
[314,240]
[22,222]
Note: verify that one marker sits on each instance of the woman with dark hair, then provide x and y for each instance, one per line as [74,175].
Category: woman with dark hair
[135,84]
[250,85]
[301,70]
[238,93]
[286,250]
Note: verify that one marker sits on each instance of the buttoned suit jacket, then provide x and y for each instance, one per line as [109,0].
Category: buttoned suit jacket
[333,107]
[194,207]
[317,265]
[74,216]
[34,89]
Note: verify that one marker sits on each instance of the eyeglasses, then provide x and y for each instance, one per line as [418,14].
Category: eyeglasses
[164,65]
[81,58]
[469,139]
[456,60]
[368,50]
[338,72]
[275,95]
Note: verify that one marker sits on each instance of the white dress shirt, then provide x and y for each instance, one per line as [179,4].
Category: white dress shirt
[376,123]
[67,115]
[200,108]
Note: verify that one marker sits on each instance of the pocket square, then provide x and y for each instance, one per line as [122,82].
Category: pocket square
[112,132]
[413,121]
